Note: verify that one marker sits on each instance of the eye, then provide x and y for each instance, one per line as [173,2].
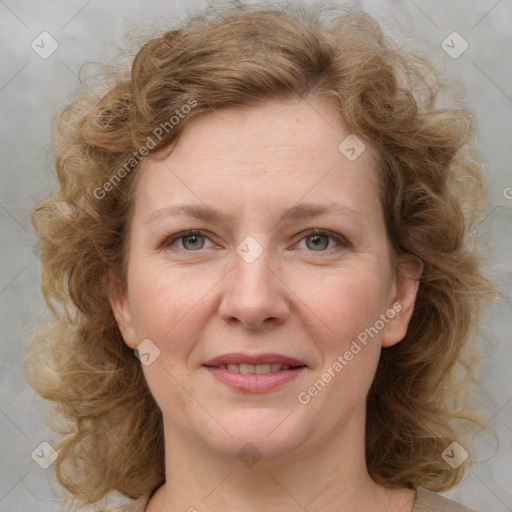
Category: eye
[318,240]
[191,240]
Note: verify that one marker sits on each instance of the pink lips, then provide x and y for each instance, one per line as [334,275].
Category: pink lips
[239,358]
[254,382]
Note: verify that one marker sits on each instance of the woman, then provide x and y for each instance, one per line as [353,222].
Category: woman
[261,245]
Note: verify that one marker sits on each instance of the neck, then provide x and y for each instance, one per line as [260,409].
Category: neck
[329,475]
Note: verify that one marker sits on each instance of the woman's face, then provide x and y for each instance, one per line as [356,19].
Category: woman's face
[253,285]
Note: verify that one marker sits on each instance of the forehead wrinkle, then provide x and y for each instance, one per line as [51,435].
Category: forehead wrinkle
[298,212]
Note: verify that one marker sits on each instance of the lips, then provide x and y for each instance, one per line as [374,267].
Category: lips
[254,368]
[256,373]
[261,359]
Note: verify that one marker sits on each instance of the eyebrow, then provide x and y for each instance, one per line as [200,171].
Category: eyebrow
[296,212]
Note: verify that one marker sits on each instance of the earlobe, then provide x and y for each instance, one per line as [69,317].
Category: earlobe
[406,290]
[119,303]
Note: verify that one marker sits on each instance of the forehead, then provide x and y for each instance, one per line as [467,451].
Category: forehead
[283,127]
[276,152]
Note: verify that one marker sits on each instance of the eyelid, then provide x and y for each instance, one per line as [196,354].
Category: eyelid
[169,240]
[340,239]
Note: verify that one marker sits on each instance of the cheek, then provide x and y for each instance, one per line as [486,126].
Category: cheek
[165,302]
[166,308]
[154,301]
[350,348]
[343,304]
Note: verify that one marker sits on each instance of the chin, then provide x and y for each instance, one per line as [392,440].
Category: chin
[260,432]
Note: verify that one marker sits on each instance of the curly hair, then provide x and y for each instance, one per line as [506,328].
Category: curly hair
[432,190]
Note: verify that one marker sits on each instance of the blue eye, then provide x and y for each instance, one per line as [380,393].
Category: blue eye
[192,240]
[317,240]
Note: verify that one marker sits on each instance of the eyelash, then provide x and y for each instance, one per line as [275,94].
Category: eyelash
[341,240]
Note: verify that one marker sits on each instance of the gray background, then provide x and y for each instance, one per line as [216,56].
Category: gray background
[32,88]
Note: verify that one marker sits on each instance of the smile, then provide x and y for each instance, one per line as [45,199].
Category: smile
[254,372]
[255,378]
[254,368]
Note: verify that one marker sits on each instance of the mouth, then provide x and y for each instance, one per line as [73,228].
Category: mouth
[255,373]
[258,369]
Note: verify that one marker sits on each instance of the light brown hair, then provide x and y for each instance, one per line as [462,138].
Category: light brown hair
[431,193]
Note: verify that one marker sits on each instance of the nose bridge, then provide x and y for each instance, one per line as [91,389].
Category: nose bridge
[253,293]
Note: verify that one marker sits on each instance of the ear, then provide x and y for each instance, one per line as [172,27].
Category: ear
[403,299]
[118,298]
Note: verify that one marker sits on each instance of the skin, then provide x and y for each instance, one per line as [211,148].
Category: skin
[298,299]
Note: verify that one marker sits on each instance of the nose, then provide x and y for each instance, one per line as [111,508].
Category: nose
[254,295]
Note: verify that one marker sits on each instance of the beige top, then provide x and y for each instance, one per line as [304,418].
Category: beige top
[426,501]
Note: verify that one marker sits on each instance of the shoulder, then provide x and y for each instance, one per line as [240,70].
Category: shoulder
[428,501]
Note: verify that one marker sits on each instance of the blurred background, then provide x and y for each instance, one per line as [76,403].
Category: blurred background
[43,44]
